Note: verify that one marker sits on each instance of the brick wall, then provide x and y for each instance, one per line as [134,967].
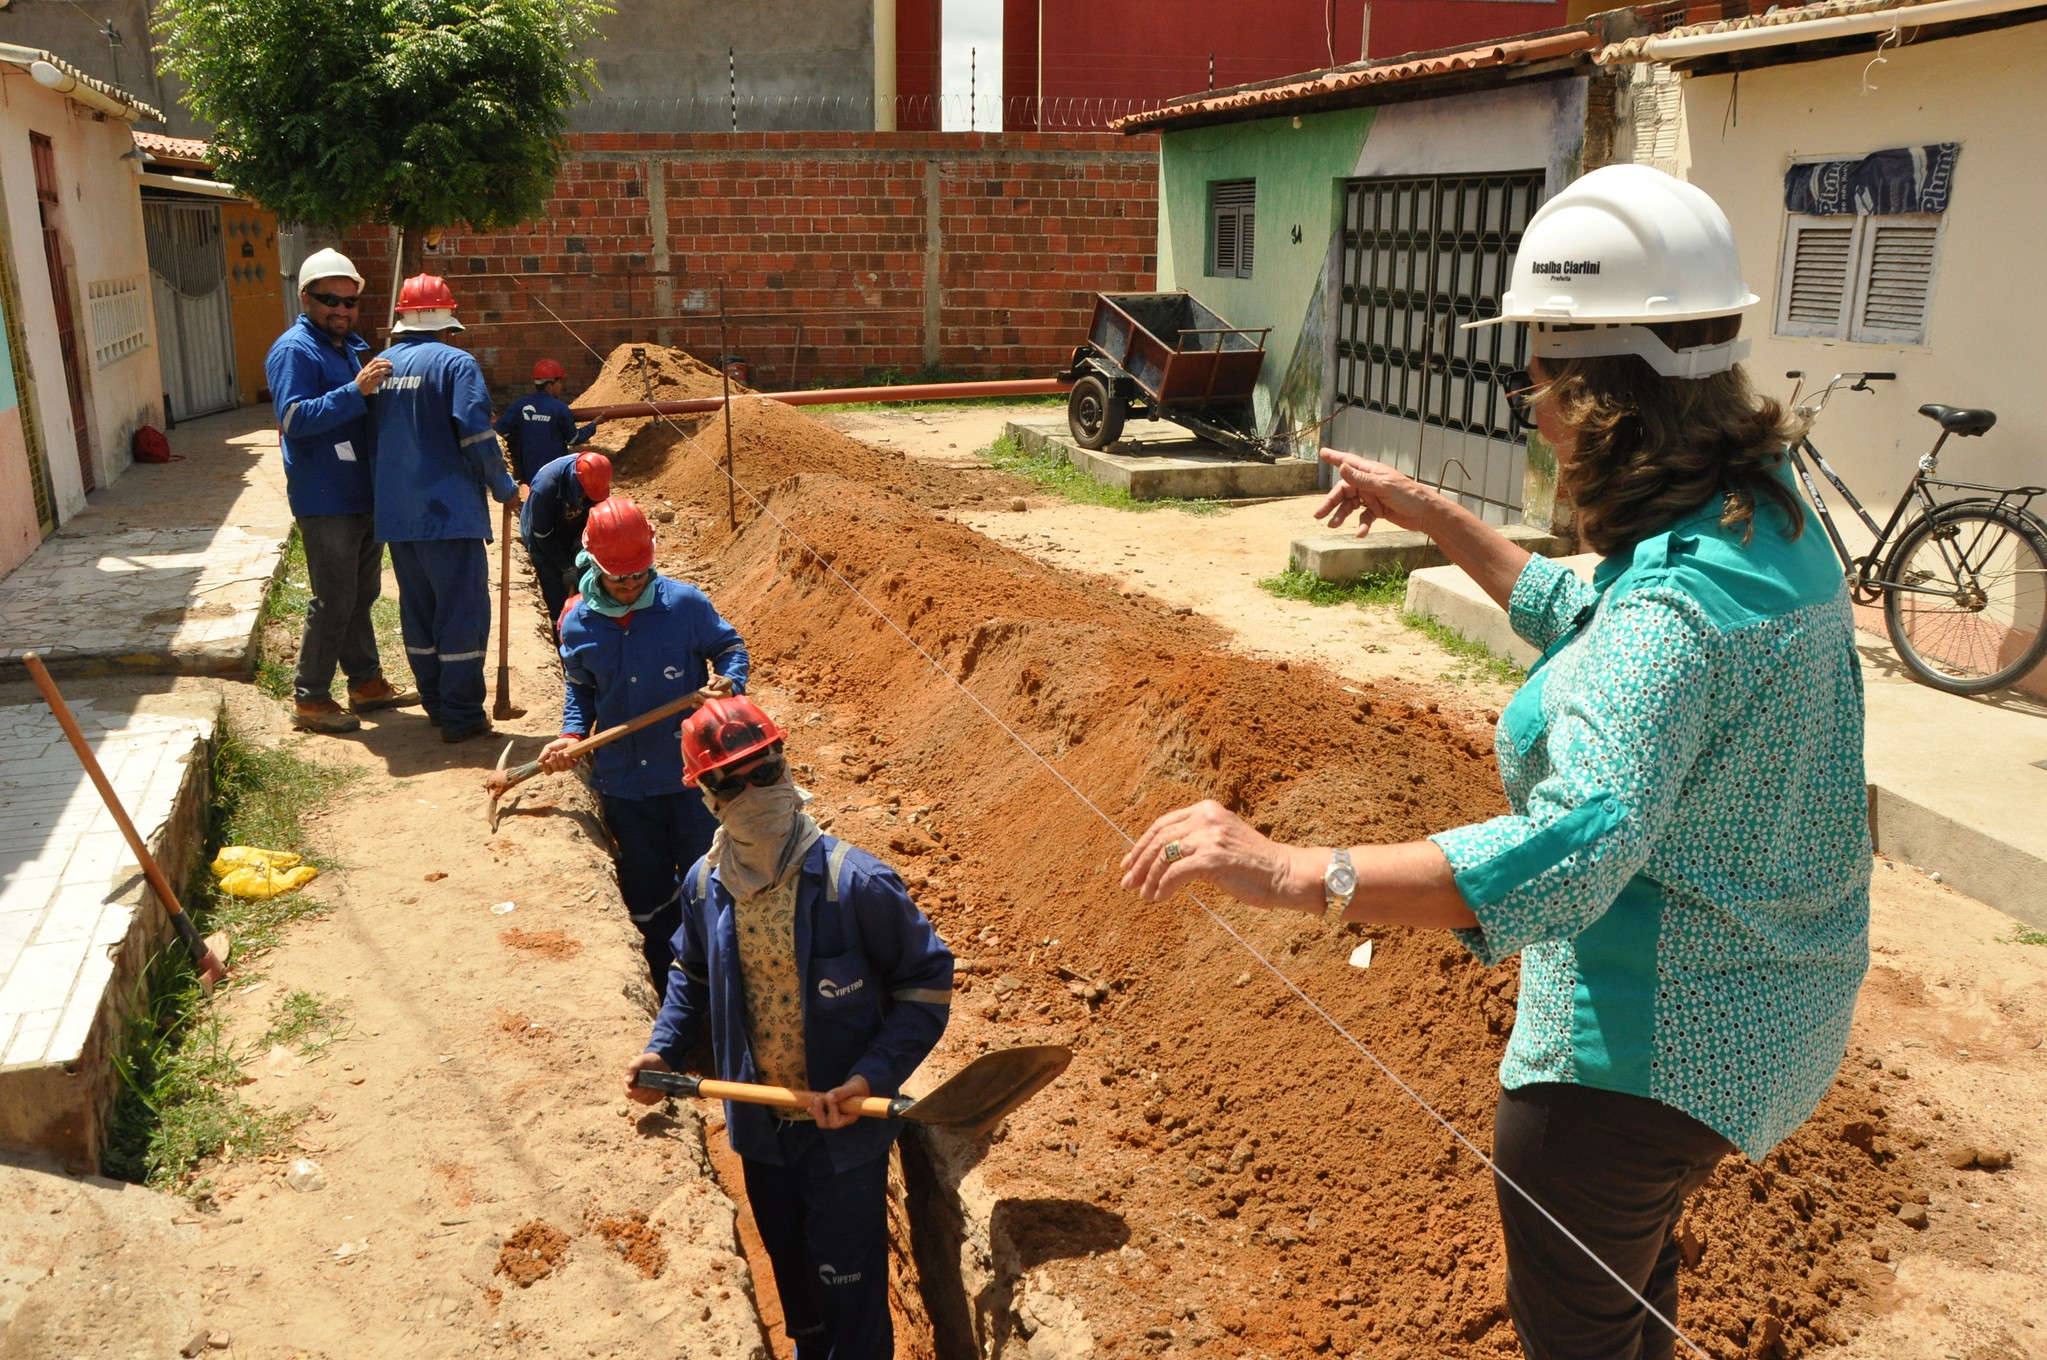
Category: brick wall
[826,243]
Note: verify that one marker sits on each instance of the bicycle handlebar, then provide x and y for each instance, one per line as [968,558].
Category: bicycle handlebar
[1857,382]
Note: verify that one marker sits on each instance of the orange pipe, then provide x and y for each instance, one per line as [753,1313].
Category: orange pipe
[834,396]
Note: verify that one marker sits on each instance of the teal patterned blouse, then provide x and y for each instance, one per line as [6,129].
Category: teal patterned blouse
[1685,873]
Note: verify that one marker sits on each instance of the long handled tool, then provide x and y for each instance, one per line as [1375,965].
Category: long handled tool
[209,955]
[973,1100]
[504,709]
[502,781]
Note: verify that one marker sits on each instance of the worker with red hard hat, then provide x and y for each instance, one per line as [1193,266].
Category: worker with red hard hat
[437,457]
[538,426]
[632,641]
[816,971]
[551,523]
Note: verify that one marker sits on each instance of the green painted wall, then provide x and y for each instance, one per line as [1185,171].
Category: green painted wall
[1298,170]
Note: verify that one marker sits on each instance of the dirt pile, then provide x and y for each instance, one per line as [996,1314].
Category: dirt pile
[1272,1188]
[668,375]
[533,1252]
[638,1241]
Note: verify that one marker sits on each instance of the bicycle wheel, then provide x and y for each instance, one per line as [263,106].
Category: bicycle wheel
[1974,615]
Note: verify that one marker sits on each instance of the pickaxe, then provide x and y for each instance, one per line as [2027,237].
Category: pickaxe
[501,781]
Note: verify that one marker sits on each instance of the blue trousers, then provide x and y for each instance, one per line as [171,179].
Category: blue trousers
[554,562]
[826,1233]
[444,613]
[658,840]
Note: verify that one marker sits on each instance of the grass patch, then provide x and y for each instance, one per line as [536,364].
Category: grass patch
[1385,588]
[1480,661]
[2026,935]
[308,1022]
[1050,472]
[180,1073]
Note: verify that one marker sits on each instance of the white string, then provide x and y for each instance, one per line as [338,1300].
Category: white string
[1212,915]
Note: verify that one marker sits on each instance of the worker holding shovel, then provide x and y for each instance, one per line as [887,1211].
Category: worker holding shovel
[632,641]
[558,501]
[815,971]
[1685,872]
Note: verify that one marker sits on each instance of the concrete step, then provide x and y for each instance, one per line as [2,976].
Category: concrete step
[1163,462]
[1955,784]
[1342,557]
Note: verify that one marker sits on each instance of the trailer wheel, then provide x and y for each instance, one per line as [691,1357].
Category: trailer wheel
[1094,413]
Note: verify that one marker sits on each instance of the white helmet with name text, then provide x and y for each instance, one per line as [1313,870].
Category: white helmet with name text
[1616,251]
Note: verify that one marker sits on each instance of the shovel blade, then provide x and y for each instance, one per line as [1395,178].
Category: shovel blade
[976,1097]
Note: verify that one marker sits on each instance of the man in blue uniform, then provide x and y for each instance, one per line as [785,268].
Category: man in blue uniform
[436,455]
[631,642]
[538,427]
[551,522]
[816,971]
[320,377]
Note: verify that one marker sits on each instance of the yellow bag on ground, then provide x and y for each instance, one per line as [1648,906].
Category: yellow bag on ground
[245,871]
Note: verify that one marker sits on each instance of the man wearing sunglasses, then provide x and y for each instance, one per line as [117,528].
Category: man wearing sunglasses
[321,377]
[817,972]
[632,641]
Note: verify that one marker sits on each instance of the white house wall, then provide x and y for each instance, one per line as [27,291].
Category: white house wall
[1984,91]
[101,217]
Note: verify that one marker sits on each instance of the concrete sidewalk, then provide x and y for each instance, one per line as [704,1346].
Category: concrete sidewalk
[1957,785]
[166,570]
[1161,461]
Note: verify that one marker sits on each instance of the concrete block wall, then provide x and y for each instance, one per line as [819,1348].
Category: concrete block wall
[975,253]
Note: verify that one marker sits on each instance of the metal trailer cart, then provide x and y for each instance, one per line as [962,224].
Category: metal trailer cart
[1167,357]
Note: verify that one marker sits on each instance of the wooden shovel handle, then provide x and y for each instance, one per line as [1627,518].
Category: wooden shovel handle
[782,1098]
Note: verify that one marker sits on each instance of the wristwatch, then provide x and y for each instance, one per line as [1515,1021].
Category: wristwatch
[1339,882]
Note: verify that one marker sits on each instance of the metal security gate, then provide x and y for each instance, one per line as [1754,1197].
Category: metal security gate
[194,326]
[1421,256]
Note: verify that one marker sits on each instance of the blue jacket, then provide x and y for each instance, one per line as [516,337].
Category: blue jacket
[540,429]
[435,449]
[555,502]
[617,669]
[877,992]
[323,420]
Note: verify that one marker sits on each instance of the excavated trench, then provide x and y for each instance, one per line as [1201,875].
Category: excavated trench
[1216,1169]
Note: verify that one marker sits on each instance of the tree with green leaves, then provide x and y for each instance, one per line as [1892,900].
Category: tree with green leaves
[417,114]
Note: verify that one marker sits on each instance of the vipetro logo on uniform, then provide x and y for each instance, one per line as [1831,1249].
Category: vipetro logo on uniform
[829,1274]
[832,991]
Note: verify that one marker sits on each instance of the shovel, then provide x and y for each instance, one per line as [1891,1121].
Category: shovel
[502,781]
[209,955]
[504,709]
[973,1100]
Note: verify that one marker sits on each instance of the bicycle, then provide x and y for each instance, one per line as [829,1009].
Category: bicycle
[1964,584]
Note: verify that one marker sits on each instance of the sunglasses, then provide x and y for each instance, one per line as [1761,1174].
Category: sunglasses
[627,579]
[334,300]
[759,777]
[1520,401]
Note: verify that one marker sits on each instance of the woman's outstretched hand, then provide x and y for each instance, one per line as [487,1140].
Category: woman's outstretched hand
[1209,842]
[1374,492]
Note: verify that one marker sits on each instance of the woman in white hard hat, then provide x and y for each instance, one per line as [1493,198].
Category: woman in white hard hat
[1685,872]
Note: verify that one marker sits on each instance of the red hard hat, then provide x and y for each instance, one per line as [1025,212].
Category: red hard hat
[618,537]
[593,472]
[426,293]
[728,731]
[547,370]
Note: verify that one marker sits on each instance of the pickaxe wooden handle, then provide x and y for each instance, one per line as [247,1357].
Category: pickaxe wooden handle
[776,1097]
[502,781]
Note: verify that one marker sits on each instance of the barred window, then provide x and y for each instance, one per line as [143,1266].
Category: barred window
[114,312]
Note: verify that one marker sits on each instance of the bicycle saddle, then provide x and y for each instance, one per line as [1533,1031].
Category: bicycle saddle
[1961,420]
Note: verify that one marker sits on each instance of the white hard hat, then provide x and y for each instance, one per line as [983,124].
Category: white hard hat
[1616,251]
[327,264]
[427,320]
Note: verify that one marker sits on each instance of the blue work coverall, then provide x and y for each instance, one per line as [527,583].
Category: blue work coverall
[617,669]
[876,982]
[323,421]
[436,455]
[551,524]
[540,429]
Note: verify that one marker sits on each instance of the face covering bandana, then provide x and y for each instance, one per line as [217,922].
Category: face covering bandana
[591,583]
[762,835]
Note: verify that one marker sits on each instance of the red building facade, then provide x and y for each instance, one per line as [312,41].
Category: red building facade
[1071,64]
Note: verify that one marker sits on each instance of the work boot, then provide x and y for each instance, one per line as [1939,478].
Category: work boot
[379,693]
[451,735]
[323,716]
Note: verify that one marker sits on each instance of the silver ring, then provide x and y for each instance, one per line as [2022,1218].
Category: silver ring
[1174,851]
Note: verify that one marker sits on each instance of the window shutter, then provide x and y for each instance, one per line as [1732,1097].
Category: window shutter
[1819,256]
[1232,210]
[1899,280]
